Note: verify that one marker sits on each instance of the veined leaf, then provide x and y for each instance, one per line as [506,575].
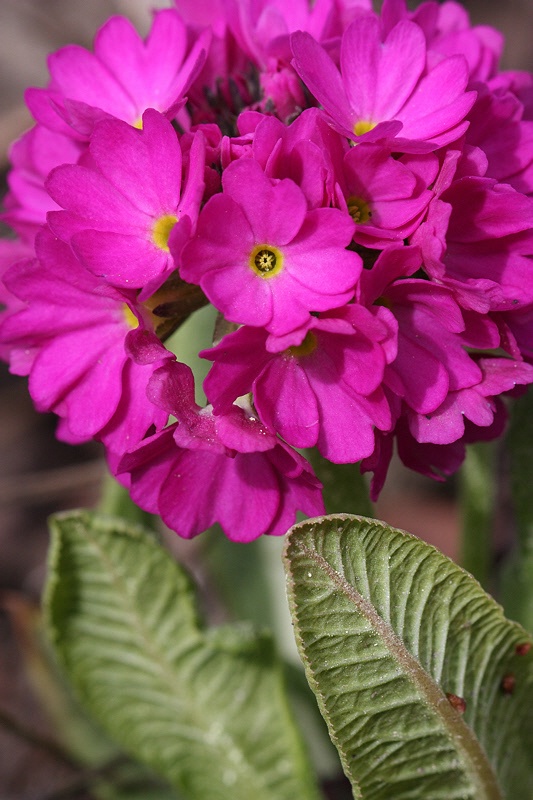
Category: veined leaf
[207,710]
[108,773]
[394,637]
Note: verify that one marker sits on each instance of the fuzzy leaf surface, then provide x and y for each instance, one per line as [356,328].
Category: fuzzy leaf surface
[205,709]
[389,629]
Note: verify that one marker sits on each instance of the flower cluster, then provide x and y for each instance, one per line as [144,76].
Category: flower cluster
[351,191]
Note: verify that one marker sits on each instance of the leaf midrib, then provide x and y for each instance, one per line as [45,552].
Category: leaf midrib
[227,742]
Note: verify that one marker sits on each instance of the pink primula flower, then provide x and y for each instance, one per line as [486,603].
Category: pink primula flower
[125,76]
[263,259]
[227,469]
[386,197]
[130,204]
[68,333]
[384,90]
[325,392]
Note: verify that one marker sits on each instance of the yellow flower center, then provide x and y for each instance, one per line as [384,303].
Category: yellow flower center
[131,320]
[161,231]
[363,126]
[359,210]
[266,260]
[307,347]
[138,124]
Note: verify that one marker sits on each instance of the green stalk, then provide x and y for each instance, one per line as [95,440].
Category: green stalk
[116,502]
[345,489]
[517,584]
[477,499]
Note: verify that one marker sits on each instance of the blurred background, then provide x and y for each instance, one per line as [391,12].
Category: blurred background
[39,475]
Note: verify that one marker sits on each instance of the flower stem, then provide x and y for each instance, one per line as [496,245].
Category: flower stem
[477,503]
[345,489]
[116,502]
[517,583]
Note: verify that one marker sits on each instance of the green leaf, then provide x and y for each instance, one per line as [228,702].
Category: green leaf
[388,627]
[207,710]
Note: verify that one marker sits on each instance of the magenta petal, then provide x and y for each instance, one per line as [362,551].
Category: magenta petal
[275,212]
[242,494]
[352,440]
[88,195]
[123,260]
[134,414]
[124,154]
[322,78]
[439,101]
[44,104]
[149,466]
[68,360]
[417,376]
[242,296]
[172,388]
[120,49]
[81,76]
[245,434]
[238,360]
[379,78]
[223,238]
[165,49]
[317,256]
[286,402]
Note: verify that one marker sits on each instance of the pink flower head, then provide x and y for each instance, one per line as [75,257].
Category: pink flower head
[126,207]
[263,259]
[325,391]
[384,90]
[227,469]
[125,76]
[68,334]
